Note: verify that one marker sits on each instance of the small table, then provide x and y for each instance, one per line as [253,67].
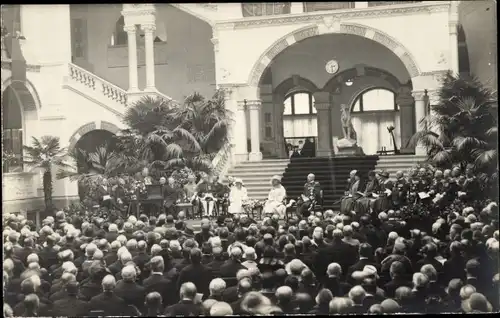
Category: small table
[185,206]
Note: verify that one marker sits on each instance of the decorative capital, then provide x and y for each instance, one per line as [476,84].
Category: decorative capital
[254,104]
[148,28]
[418,95]
[227,91]
[215,42]
[130,28]
[322,106]
[242,105]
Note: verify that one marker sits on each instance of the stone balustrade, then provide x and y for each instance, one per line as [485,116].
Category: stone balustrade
[96,83]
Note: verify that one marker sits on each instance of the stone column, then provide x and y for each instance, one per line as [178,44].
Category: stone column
[452,24]
[278,104]
[133,85]
[254,108]
[240,136]
[322,105]
[453,48]
[150,55]
[420,112]
[405,102]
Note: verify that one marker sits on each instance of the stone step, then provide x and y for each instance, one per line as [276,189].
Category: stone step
[265,177]
[253,169]
[266,161]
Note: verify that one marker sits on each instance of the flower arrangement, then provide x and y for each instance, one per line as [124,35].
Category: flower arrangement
[181,176]
[251,205]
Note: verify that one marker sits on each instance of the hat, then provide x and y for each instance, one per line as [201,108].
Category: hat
[472,265]
[384,174]
[277,178]
[476,303]
[238,180]
[454,286]
[370,270]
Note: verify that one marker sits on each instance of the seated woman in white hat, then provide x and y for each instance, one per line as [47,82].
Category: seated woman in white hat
[237,197]
[274,203]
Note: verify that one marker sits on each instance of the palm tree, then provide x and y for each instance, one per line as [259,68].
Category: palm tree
[164,135]
[45,153]
[462,127]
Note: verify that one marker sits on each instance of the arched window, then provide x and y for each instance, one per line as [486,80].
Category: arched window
[12,133]
[299,116]
[266,8]
[374,100]
[372,112]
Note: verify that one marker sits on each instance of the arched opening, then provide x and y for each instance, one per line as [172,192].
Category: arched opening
[12,132]
[367,78]
[373,112]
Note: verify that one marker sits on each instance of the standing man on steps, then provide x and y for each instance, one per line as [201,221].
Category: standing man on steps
[310,196]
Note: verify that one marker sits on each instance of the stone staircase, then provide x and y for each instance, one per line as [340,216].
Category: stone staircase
[393,164]
[331,173]
[257,175]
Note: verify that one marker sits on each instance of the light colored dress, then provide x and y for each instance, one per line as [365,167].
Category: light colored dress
[274,203]
[237,198]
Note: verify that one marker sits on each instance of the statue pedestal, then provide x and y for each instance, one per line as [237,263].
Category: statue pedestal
[348,148]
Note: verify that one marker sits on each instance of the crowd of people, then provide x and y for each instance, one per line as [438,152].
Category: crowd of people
[402,254]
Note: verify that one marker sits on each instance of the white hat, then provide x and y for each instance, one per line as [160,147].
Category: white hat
[238,180]
[276,177]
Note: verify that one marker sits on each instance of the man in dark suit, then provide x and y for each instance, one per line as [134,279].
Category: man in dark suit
[338,251]
[195,273]
[365,258]
[107,301]
[216,263]
[48,254]
[187,306]
[398,279]
[170,195]
[104,194]
[310,196]
[233,264]
[70,306]
[128,290]
[157,282]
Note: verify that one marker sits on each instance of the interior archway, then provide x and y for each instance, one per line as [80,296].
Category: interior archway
[364,65]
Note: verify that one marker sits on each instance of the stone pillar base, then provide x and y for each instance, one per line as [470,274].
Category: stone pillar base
[407,151]
[240,157]
[255,156]
[420,151]
[350,151]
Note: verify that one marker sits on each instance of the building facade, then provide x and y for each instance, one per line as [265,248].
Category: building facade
[287,69]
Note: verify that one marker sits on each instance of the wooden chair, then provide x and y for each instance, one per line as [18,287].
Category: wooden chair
[291,210]
[318,207]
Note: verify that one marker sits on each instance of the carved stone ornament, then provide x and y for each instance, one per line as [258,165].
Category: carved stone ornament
[360,13]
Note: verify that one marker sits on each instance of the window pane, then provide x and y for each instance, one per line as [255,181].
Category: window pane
[313,108]
[378,99]
[288,106]
[302,105]
[356,107]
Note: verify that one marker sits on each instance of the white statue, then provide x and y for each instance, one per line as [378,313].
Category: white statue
[347,127]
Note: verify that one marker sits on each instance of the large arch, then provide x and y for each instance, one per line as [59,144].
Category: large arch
[96,125]
[345,28]
[26,93]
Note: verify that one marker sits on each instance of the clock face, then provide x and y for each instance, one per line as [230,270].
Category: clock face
[332,67]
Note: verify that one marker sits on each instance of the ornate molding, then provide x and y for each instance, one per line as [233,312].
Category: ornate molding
[215,42]
[130,28]
[254,104]
[370,12]
[345,28]
[418,95]
[148,28]
[7,65]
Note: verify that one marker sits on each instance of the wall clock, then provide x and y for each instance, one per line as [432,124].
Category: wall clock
[332,67]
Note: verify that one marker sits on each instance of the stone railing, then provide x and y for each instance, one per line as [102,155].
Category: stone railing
[388,3]
[96,83]
[220,162]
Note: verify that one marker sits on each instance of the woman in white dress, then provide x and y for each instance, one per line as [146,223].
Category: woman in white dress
[274,203]
[237,197]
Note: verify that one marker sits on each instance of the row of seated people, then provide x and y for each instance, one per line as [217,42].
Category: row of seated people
[421,186]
